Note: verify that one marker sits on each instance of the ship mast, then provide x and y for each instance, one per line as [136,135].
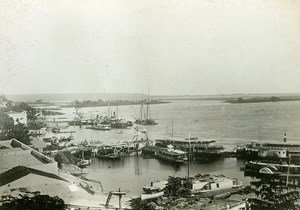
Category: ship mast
[189,156]
[172,128]
[147,113]
[142,105]
[108,110]
[117,109]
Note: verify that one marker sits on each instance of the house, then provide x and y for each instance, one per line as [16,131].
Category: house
[18,117]
[14,153]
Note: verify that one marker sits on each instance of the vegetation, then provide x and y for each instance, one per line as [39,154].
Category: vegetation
[178,187]
[261,99]
[32,201]
[274,195]
[8,128]
[19,132]
[138,204]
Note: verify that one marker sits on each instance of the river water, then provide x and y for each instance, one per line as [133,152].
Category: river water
[228,124]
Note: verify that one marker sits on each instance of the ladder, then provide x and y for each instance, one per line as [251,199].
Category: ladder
[108,199]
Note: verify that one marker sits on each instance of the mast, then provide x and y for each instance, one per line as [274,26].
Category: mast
[288,172]
[117,109]
[108,110]
[142,105]
[189,156]
[172,128]
[147,114]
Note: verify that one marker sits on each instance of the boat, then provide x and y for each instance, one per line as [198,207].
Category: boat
[271,152]
[154,190]
[263,169]
[103,127]
[83,163]
[108,152]
[247,151]
[149,150]
[200,150]
[145,118]
[209,186]
[222,196]
[170,154]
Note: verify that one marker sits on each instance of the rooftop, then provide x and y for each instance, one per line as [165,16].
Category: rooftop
[21,171]
[14,153]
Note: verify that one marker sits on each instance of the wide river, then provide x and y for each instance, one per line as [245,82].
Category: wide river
[228,124]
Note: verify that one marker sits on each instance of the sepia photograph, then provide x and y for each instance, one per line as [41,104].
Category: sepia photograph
[150,104]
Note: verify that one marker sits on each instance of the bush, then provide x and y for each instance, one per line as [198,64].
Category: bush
[178,187]
[32,201]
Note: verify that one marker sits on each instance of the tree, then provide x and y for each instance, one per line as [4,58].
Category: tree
[19,132]
[138,204]
[32,201]
[274,195]
[6,123]
[178,187]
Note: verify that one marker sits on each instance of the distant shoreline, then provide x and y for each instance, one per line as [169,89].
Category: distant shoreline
[101,103]
[262,99]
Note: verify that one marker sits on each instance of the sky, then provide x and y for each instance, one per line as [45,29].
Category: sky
[165,47]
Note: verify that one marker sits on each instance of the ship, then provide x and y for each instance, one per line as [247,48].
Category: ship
[205,185]
[145,118]
[200,150]
[271,152]
[100,126]
[108,152]
[171,155]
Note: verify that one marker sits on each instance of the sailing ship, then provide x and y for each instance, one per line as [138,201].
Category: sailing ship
[145,118]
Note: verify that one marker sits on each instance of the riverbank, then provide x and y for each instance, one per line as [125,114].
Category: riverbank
[101,103]
[262,99]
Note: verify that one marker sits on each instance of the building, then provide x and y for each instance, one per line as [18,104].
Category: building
[18,117]
[14,153]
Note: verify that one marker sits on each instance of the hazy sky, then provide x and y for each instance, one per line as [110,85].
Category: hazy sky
[164,47]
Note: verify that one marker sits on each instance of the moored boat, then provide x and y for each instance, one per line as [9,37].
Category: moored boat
[83,163]
[170,154]
[209,186]
[200,150]
[153,190]
[103,127]
[108,152]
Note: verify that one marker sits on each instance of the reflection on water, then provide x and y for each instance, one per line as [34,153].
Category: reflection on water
[228,124]
[131,173]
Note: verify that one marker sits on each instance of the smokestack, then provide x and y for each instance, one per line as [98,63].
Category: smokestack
[284,138]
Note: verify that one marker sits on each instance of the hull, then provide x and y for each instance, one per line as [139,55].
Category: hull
[169,159]
[149,150]
[218,192]
[145,196]
[109,156]
[101,127]
[83,163]
[206,157]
